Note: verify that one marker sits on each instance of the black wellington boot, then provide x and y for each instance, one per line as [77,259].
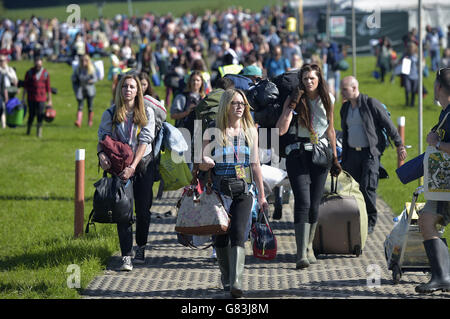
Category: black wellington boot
[438,257]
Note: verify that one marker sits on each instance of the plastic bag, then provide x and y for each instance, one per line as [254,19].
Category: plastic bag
[394,241]
[174,171]
[272,176]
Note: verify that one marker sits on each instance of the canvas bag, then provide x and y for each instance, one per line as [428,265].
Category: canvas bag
[204,214]
[436,166]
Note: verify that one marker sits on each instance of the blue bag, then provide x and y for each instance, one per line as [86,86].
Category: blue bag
[240,82]
[411,170]
[173,139]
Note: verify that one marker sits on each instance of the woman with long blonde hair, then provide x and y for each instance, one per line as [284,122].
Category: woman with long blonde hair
[83,82]
[129,121]
[234,161]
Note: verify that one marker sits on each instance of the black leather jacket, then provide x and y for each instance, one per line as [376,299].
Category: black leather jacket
[375,118]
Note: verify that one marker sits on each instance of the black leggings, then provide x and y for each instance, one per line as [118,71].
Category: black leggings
[307,183]
[143,198]
[240,210]
[89,99]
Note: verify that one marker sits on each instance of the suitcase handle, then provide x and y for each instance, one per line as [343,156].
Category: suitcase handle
[334,181]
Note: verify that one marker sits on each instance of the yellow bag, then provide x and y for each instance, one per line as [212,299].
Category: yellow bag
[174,171]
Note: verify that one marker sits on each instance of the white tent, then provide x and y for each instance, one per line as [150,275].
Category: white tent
[434,12]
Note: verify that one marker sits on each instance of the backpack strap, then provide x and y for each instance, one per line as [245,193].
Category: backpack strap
[377,120]
[89,221]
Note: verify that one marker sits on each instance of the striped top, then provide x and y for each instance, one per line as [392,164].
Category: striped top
[227,157]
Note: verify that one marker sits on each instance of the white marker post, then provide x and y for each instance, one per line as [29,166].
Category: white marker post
[401,130]
[79,192]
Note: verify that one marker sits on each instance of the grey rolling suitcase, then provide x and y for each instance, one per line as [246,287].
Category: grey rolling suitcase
[342,224]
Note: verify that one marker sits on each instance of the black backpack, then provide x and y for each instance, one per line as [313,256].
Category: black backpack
[113,201]
[286,83]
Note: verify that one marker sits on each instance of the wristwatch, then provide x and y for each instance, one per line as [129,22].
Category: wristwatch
[438,145]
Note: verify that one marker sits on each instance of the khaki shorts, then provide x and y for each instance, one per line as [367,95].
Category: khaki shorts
[442,210]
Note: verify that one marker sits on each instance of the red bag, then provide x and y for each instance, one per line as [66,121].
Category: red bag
[264,242]
[120,154]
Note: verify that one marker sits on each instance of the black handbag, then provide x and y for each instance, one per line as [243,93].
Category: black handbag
[322,155]
[113,201]
[233,187]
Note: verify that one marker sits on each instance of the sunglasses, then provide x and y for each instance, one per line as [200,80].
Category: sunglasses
[239,103]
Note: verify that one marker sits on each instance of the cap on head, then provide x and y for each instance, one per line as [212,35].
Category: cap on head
[252,70]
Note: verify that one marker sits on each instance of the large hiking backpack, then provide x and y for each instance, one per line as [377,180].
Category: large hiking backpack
[286,83]
[159,110]
[263,94]
[207,108]
[264,97]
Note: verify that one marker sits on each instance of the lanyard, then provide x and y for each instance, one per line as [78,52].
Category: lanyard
[130,130]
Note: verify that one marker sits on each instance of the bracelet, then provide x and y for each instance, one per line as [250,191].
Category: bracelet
[131,168]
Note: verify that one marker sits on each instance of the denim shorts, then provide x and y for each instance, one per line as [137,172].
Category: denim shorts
[440,208]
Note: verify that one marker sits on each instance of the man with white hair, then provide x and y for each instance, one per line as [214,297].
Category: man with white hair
[362,121]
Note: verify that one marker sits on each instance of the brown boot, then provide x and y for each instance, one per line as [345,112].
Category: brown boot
[91,119]
[79,119]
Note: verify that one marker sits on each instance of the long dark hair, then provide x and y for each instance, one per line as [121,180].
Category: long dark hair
[299,99]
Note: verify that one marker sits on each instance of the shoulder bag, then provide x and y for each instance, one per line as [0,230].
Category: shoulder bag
[202,214]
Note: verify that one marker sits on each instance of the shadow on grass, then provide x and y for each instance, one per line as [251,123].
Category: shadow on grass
[66,254]
[30,198]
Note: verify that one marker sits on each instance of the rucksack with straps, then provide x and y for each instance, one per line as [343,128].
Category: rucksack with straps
[159,110]
[113,201]
[383,138]
[208,107]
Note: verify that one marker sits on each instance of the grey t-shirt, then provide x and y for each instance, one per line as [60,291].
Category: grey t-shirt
[357,136]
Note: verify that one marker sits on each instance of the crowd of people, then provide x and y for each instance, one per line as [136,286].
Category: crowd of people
[192,55]
[406,65]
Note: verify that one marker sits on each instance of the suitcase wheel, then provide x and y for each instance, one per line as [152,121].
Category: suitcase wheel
[357,250]
[396,274]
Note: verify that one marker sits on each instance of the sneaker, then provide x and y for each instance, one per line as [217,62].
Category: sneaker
[126,264]
[139,256]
